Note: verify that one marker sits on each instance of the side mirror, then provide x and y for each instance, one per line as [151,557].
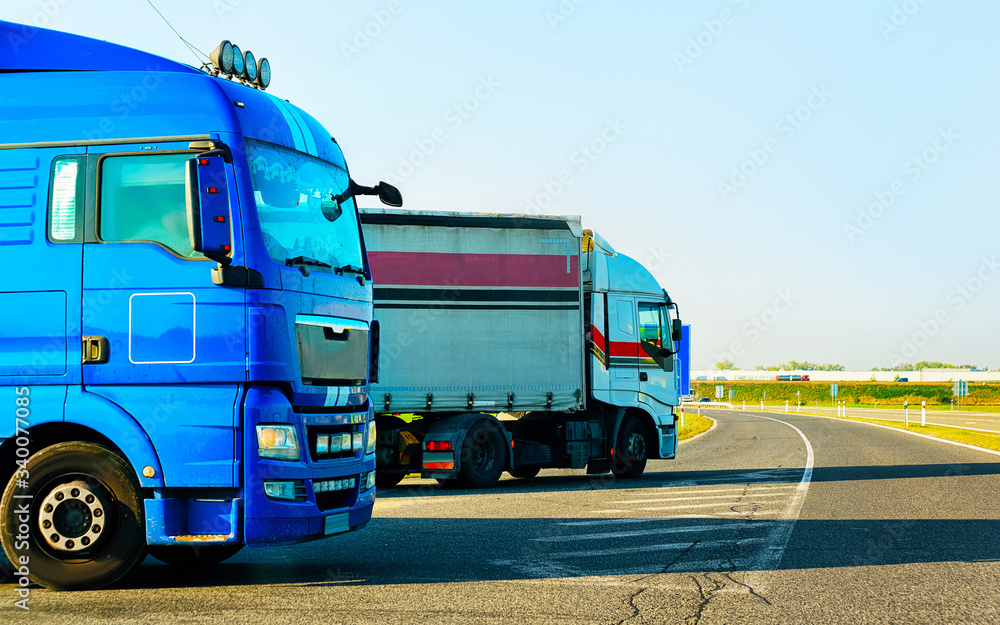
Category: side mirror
[208,212]
[675,331]
[389,194]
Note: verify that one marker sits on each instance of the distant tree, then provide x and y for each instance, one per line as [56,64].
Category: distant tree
[725,365]
[794,365]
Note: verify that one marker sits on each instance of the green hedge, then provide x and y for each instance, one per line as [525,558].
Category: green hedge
[854,393]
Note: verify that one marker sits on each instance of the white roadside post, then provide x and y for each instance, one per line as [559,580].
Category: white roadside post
[762,404]
[923,413]
[786,406]
[682,416]
[906,413]
[744,404]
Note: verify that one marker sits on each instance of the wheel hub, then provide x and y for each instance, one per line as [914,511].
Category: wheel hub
[72,517]
[637,446]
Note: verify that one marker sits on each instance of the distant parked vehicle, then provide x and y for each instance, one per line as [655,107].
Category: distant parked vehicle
[705,399]
[791,378]
[903,380]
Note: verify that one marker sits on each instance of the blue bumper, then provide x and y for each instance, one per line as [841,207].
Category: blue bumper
[312,515]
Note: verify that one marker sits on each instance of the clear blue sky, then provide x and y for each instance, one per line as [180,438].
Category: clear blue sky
[484,106]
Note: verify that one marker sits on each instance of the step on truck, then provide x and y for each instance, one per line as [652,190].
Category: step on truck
[516,343]
[185,313]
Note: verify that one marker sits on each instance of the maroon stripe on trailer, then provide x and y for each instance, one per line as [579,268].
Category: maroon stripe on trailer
[501,270]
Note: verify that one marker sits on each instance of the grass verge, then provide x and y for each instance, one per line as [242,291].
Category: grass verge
[694,425]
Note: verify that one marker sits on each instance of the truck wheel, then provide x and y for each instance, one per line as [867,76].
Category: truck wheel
[205,555]
[77,518]
[631,449]
[525,474]
[388,479]
[482,455]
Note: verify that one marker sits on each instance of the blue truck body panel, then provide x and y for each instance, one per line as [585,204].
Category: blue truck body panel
[190,366]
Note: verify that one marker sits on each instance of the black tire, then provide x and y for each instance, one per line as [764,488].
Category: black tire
[483,457]
[204,555]
[388,479]
[631,448]
[88,499]
[525,474]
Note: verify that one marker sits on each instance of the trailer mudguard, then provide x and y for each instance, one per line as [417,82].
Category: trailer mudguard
[455,429]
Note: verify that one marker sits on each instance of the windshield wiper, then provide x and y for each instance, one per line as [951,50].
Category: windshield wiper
[350,269]
[304,263]
[305,260]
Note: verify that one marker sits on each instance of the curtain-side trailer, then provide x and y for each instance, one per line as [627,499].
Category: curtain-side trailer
[516,342]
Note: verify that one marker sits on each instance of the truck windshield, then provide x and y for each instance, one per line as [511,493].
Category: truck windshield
[300,216]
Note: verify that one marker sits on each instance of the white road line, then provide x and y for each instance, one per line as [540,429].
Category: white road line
[661,519]
[650,532]
[770,558]
[730,497]
[595,553]
[721,504]
[735,489]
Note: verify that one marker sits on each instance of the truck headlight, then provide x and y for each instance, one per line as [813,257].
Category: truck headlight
[278,442]
[370,437]
[367,481]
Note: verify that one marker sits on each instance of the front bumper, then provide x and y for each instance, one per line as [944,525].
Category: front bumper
[312,515]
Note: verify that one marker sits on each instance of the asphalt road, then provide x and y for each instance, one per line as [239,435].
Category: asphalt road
[767,519]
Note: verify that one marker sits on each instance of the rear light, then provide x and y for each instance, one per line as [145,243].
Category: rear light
[447,465]
[438,445]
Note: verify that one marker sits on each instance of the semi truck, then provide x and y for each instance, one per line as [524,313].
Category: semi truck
[185,313]
[516,343]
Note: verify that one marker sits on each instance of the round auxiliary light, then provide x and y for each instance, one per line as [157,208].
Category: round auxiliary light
[263,74]
[222,57]
[238,67]
[251,66]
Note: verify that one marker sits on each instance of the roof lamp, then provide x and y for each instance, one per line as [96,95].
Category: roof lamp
[251,66]
[238,66]
[263,73]
[222,57]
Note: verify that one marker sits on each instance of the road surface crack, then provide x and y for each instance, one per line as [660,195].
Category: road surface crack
[706,597]
[750,588]
[631,604]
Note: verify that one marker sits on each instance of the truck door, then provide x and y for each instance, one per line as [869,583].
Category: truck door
[624,344]
[160,339]
[657,378]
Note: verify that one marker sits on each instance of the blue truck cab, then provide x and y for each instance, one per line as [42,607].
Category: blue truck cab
[186,337]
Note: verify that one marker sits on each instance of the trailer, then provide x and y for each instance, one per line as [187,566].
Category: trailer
[516,343]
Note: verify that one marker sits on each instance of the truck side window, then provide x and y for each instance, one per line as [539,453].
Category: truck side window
[142,199]
[650,324]
[66,199]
